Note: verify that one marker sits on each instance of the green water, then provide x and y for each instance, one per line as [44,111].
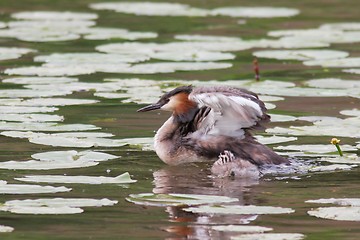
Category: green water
[129,221]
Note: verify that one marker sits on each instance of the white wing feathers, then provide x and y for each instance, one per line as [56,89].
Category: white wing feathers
[229,115]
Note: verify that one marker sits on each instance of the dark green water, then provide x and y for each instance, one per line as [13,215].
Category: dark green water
[129,221]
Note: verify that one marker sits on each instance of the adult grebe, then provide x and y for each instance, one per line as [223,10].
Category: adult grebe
[209,123]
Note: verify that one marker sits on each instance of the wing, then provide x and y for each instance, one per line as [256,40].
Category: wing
[232,111]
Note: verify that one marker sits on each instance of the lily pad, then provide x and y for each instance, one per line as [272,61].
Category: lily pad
[12,117]
[45,126]
[236,209]
[6,228]
[54,205]
[354,70]
[26,109]
[151,8]
[45,165]
[355,202]
[349,62]
[49,71]
[99,33]
[302,55]
[347,158]
[40,80]
[121,179]
[315,148]
[274,139]
[333,83]
[270,236]
[241,228]
[49,15]
[175,199]
[332,167]
[337,213]
[29,189]
[46,102]
[255,12]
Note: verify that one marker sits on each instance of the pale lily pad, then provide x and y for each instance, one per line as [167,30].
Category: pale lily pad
[98,33]
[39,25]
[29,189]
[46,102]
[274,139]
[54,205]
[13,53]
[354,202]
[45,165]
[151,8]
[255,12]
[73,156]
[121,179]
[236,209]
[28,93]
[335,83]
[27,109]
[282,118]
[6,228]
[347,158]
[45,126]
[302,55]
[270,236]
[31,118]
[89,58]
[337,213]
[207,38]
[353,112]
[344,26]
[39,34]
[332,167]
[336,63]
[175,199]
[315,148]
[198,56]
[40,80]
[48,15]
[354,70]
[49,71]
[241,228]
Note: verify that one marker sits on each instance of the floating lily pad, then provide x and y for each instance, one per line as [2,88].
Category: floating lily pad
[301,55]
[332,167]
[274,139]
[28,93]
[347,158]
[354,70]
[89,58]
[151,8]
[31,118]
[13,53]
[6,228]
[353,112]
[333,83]
[255,12]
[336,63]
[345,26]
[46,102]
[27,109]
[121,179]
[73,155]
[175,199]
[53,205]
[270,236]
[45,165]
[49,71]
[282,118]
[198,56]
[355,202]
[241,228]
[337,213]
[29,189]
[98,33]
[236,209]
[48,15]
[40,80]
[45,126]
[315,148]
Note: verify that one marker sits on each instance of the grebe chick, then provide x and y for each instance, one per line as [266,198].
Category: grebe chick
[213,123]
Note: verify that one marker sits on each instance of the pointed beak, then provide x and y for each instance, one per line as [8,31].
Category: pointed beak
[150,107]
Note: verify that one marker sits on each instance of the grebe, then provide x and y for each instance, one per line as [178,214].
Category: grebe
[213,123]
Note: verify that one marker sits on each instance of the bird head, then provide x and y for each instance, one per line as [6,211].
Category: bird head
[175,101]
